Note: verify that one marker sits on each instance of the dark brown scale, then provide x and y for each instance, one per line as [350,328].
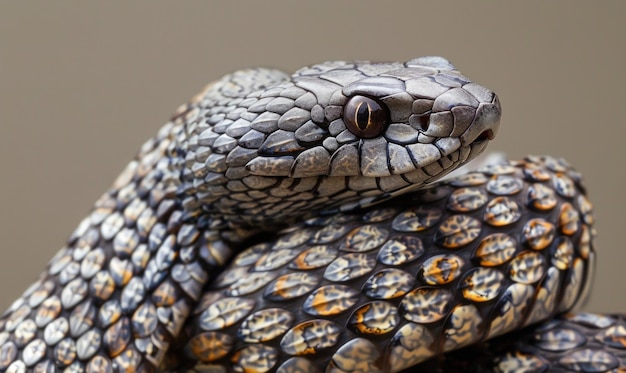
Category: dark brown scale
[504,185]
[65,352]
[310,337]
[375,318]
[254,358]
[349,267]
[330,300]
[538,233]
[527,268]
[416,219]
[388,284]
[364,238]
[426,304]
[457,231]
[541,197]
[265,325]
[569,220]
[502,211]
[424,275]
[482,284]
[495,250]
[314,257]
[466,199]
[290,286]
[441,269]
[400,249]
[564,185]
[563,256]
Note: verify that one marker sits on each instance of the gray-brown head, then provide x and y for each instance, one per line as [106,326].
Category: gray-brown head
[262,147]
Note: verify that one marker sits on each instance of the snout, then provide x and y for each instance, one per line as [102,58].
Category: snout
[486,120]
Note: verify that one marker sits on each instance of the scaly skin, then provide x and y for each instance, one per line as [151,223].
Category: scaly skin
[381,290]
[579,342]
[252,153]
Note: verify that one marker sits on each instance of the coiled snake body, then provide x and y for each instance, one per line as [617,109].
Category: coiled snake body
[298,174]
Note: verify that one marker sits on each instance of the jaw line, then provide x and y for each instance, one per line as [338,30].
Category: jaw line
[475,149]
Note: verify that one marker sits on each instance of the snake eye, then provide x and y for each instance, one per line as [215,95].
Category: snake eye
[365,117]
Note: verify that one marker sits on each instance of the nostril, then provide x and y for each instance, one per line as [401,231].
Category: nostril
[420,121]
[485,135]
[424,121]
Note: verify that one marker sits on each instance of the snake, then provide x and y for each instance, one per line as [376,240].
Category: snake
[295,223]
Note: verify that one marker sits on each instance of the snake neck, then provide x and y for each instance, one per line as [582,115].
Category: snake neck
[120,291]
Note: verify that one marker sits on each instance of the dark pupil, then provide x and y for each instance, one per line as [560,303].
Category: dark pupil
[363,116]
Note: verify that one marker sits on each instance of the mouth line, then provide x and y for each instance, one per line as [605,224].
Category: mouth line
[451,159]
[465,153]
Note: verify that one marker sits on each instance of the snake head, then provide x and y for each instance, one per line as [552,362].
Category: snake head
[333,135]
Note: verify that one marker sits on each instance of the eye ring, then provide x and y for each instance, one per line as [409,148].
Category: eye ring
[365,117]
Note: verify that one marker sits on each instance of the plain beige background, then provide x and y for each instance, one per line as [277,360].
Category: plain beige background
[84,84]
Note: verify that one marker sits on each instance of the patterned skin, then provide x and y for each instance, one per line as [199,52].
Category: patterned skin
[381,290]
[254,152]
[580,342]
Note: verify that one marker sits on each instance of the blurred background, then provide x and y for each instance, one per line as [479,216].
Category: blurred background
[84,84]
